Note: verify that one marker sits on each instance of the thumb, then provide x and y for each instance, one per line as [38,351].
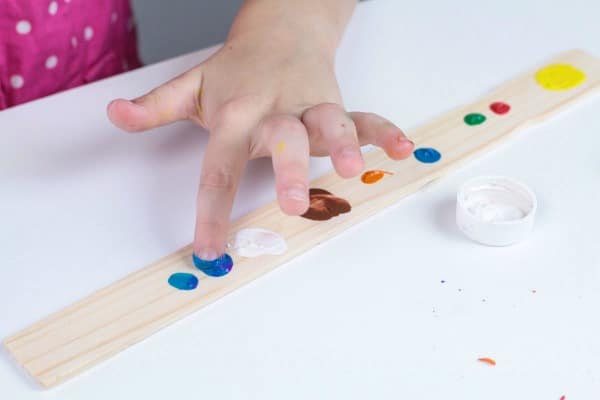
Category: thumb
[175,100]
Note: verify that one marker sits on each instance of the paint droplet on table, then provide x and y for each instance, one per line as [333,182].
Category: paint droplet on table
[216,268]
[442,281]
[373,176]
[279,148]
[183,281]
[563,397]
[559,77]
[500,108]
[474,119]
[427,155]
[487,360]
[254,242]
[324,205]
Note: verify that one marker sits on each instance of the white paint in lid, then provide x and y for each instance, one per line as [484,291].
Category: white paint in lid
[495,210]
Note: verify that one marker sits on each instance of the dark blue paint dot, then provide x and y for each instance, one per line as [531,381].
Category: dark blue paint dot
[219,267]
[183,281]
[427,155]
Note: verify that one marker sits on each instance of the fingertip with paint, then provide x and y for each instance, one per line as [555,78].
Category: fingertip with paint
[217,267]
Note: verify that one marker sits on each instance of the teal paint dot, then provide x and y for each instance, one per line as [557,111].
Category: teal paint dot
[427,155]
[183,281]
[474,119]
[219,267]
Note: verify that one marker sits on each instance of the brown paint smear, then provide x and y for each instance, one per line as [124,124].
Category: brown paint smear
[373,176]
[324,205]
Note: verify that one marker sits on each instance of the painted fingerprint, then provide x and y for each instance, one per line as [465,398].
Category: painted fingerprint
[324,205]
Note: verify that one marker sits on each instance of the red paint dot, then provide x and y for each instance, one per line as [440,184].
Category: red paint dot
[500,108]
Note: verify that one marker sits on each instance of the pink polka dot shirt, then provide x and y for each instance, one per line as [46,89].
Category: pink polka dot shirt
[51,45]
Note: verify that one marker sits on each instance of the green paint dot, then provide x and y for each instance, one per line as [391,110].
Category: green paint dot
[474,119]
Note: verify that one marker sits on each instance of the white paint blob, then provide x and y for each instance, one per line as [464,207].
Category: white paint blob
[496,211]
[23,27]
[254,242]
[493,203]
[74,41]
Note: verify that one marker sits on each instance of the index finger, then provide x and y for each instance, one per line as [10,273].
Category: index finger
[222,168]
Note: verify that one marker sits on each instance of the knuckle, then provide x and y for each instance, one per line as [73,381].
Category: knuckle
[204,224]
[216,180]
[232,112]
[283,124]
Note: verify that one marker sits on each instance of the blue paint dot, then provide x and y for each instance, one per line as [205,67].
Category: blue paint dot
[183,281]
[219,267]
[427,155]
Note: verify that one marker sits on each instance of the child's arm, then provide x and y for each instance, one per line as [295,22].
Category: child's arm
[270,91]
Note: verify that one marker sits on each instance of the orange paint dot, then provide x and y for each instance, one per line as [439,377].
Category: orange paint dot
[373,176]
[487,360]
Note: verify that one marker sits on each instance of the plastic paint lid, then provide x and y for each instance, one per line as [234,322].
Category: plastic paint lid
[495,210]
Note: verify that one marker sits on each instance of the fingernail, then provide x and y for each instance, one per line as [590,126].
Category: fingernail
[296,193]
[207,254]
[407,140]
[350,152]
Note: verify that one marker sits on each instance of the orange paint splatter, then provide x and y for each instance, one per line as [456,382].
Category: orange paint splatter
[373,176]
[487,360]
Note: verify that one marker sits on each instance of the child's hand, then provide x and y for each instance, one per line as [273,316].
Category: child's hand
[261,95]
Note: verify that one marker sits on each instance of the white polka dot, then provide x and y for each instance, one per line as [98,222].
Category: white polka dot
[74,41]
[23,27]
[88,33]
[51,62]
[67,1]
[17,81]
[52,8]
[113,17]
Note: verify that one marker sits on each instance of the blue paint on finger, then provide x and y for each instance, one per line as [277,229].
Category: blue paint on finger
[219,267]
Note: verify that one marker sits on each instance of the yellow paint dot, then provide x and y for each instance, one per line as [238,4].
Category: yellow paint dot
[559,77]
[279,148]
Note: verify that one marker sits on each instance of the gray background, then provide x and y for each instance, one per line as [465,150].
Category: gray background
[167,29]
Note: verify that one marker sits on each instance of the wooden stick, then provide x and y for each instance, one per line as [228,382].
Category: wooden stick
[93,329]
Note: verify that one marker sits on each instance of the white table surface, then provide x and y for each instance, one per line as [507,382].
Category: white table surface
[364,315]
